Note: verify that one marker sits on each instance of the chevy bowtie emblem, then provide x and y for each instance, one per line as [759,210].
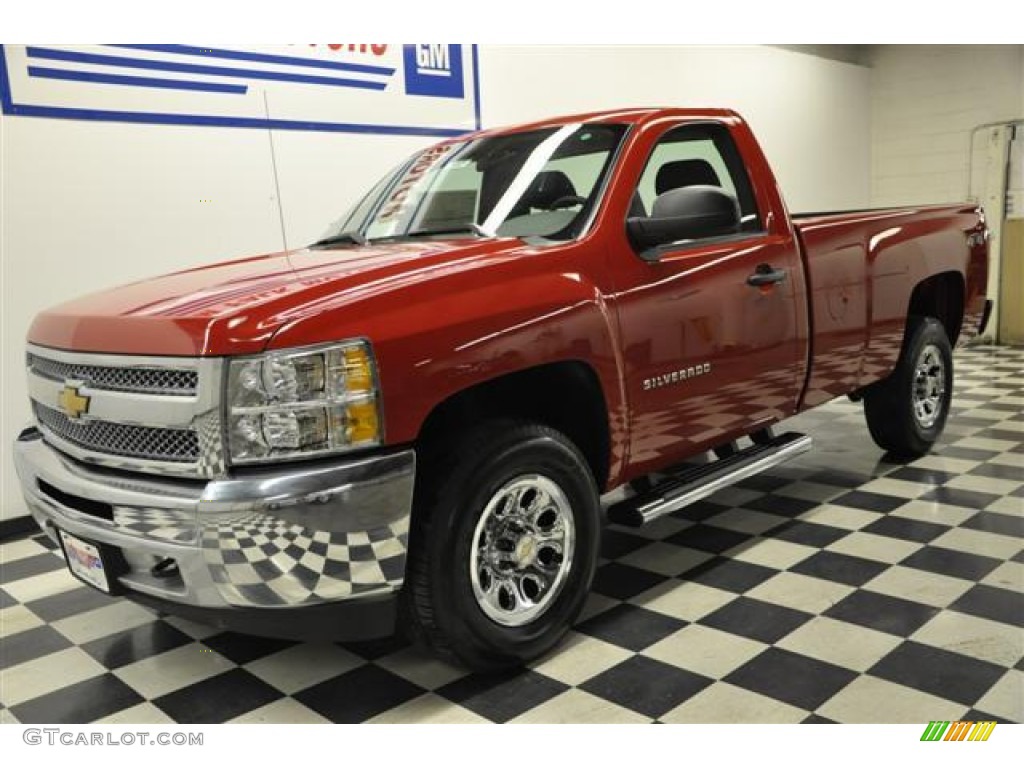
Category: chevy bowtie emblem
[72,403]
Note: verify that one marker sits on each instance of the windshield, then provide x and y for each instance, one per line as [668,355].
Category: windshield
[541,183]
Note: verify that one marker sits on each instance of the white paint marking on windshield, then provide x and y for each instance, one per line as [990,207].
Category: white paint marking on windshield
[538,159]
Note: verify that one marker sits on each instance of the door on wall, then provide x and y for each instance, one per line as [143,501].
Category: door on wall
[997,183]
[1011,286]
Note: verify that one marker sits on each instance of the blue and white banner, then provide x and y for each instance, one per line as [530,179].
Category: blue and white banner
[425,89]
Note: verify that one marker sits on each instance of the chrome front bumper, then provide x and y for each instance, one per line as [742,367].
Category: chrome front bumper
[295,535]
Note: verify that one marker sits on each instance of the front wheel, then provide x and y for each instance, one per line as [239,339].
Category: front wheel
[504,544]
[907,411]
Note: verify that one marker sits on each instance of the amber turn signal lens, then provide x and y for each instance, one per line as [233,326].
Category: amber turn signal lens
[362,422]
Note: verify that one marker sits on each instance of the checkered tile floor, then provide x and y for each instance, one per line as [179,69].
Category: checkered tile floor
[840,587]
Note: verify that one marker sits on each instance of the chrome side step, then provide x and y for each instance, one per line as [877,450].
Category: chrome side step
[694,484]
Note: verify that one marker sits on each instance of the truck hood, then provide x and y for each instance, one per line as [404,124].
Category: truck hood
[236,307]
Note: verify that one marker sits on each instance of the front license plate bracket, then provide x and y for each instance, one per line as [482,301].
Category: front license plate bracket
[93,563]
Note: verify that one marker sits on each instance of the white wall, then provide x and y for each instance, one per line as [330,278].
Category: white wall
[810,114]
[925,100]
[87,205]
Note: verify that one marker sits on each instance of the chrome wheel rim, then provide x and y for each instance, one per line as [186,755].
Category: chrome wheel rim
[929,386]
[522,550]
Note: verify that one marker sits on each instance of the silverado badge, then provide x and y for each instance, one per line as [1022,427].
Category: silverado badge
[71,402]
[656,382]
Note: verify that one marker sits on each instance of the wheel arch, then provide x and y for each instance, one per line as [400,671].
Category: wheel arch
[941,296]
[566,396]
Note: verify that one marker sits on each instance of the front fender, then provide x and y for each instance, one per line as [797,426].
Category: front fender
[437,338]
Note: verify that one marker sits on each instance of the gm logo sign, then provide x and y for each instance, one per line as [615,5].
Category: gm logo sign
[434,69]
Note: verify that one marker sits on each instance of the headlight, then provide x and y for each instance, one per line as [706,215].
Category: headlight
[303,402]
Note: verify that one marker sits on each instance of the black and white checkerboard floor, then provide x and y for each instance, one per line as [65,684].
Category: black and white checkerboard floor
[840,587]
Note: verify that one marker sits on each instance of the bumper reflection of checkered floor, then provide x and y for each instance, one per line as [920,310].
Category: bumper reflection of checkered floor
[840,587]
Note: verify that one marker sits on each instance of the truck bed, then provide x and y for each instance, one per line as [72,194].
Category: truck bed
[861,267]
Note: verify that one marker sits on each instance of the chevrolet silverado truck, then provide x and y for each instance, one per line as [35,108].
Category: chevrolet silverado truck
[411,423]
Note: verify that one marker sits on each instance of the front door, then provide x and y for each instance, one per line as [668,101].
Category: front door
[712,330]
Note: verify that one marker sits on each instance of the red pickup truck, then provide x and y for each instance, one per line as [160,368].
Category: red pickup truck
[412,421]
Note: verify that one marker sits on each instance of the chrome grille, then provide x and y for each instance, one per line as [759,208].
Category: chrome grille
[129,440]
[153,414]
[165,381]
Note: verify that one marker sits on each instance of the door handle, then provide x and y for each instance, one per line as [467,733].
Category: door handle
[766,274]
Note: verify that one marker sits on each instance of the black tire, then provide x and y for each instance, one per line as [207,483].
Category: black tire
[889,405]
[455,484]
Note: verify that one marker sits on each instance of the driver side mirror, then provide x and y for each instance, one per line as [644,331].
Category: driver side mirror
[686,213]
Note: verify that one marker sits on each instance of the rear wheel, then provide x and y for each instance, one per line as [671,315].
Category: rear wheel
[907,411]
[504,544]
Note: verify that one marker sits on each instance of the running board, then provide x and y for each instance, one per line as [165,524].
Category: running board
[692,485]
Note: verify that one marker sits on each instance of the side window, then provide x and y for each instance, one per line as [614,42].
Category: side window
[697,154]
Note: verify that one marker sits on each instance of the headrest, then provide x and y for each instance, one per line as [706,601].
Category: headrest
[548,187]
[685,173]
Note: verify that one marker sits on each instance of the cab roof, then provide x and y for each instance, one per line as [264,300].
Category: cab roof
[627,115]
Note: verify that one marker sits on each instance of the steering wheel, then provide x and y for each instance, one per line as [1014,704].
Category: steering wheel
[566,201]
